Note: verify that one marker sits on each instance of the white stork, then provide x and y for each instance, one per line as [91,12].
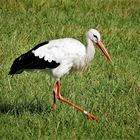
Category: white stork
[58,57]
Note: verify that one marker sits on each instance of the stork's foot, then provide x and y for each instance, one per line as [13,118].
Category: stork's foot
[91,117]
[54,107]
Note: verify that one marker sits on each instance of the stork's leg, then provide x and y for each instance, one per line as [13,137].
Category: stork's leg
[54,100]
[89,115]
[54,96]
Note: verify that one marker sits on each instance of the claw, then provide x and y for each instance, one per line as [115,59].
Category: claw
[91,117]
[54,107]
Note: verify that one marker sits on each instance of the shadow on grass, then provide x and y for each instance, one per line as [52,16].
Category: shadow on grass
[20,108]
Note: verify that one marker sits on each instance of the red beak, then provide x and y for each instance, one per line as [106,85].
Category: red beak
[103,49]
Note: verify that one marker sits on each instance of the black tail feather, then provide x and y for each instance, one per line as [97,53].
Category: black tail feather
[16,67]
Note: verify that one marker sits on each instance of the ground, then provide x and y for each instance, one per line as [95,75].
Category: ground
[110,91]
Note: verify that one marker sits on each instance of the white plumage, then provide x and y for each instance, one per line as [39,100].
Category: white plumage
[58,57]
[70,53]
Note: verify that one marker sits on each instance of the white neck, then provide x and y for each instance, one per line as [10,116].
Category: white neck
[90,51]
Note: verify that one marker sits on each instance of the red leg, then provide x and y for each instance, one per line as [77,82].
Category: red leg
[54,97]
[89,115]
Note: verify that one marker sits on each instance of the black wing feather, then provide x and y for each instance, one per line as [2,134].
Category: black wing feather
[30,61]
[40,45]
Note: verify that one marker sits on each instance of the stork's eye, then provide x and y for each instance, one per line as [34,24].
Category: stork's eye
[95,37]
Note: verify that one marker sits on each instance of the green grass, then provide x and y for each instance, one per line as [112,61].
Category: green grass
[110,91]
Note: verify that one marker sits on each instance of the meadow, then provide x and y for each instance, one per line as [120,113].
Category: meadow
[110,91]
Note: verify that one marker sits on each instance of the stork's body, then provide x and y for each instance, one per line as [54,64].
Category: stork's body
[62,54]
[58,57]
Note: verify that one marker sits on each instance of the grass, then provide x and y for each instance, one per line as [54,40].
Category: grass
[111,91]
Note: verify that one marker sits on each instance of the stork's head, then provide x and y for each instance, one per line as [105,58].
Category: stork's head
[95,37]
